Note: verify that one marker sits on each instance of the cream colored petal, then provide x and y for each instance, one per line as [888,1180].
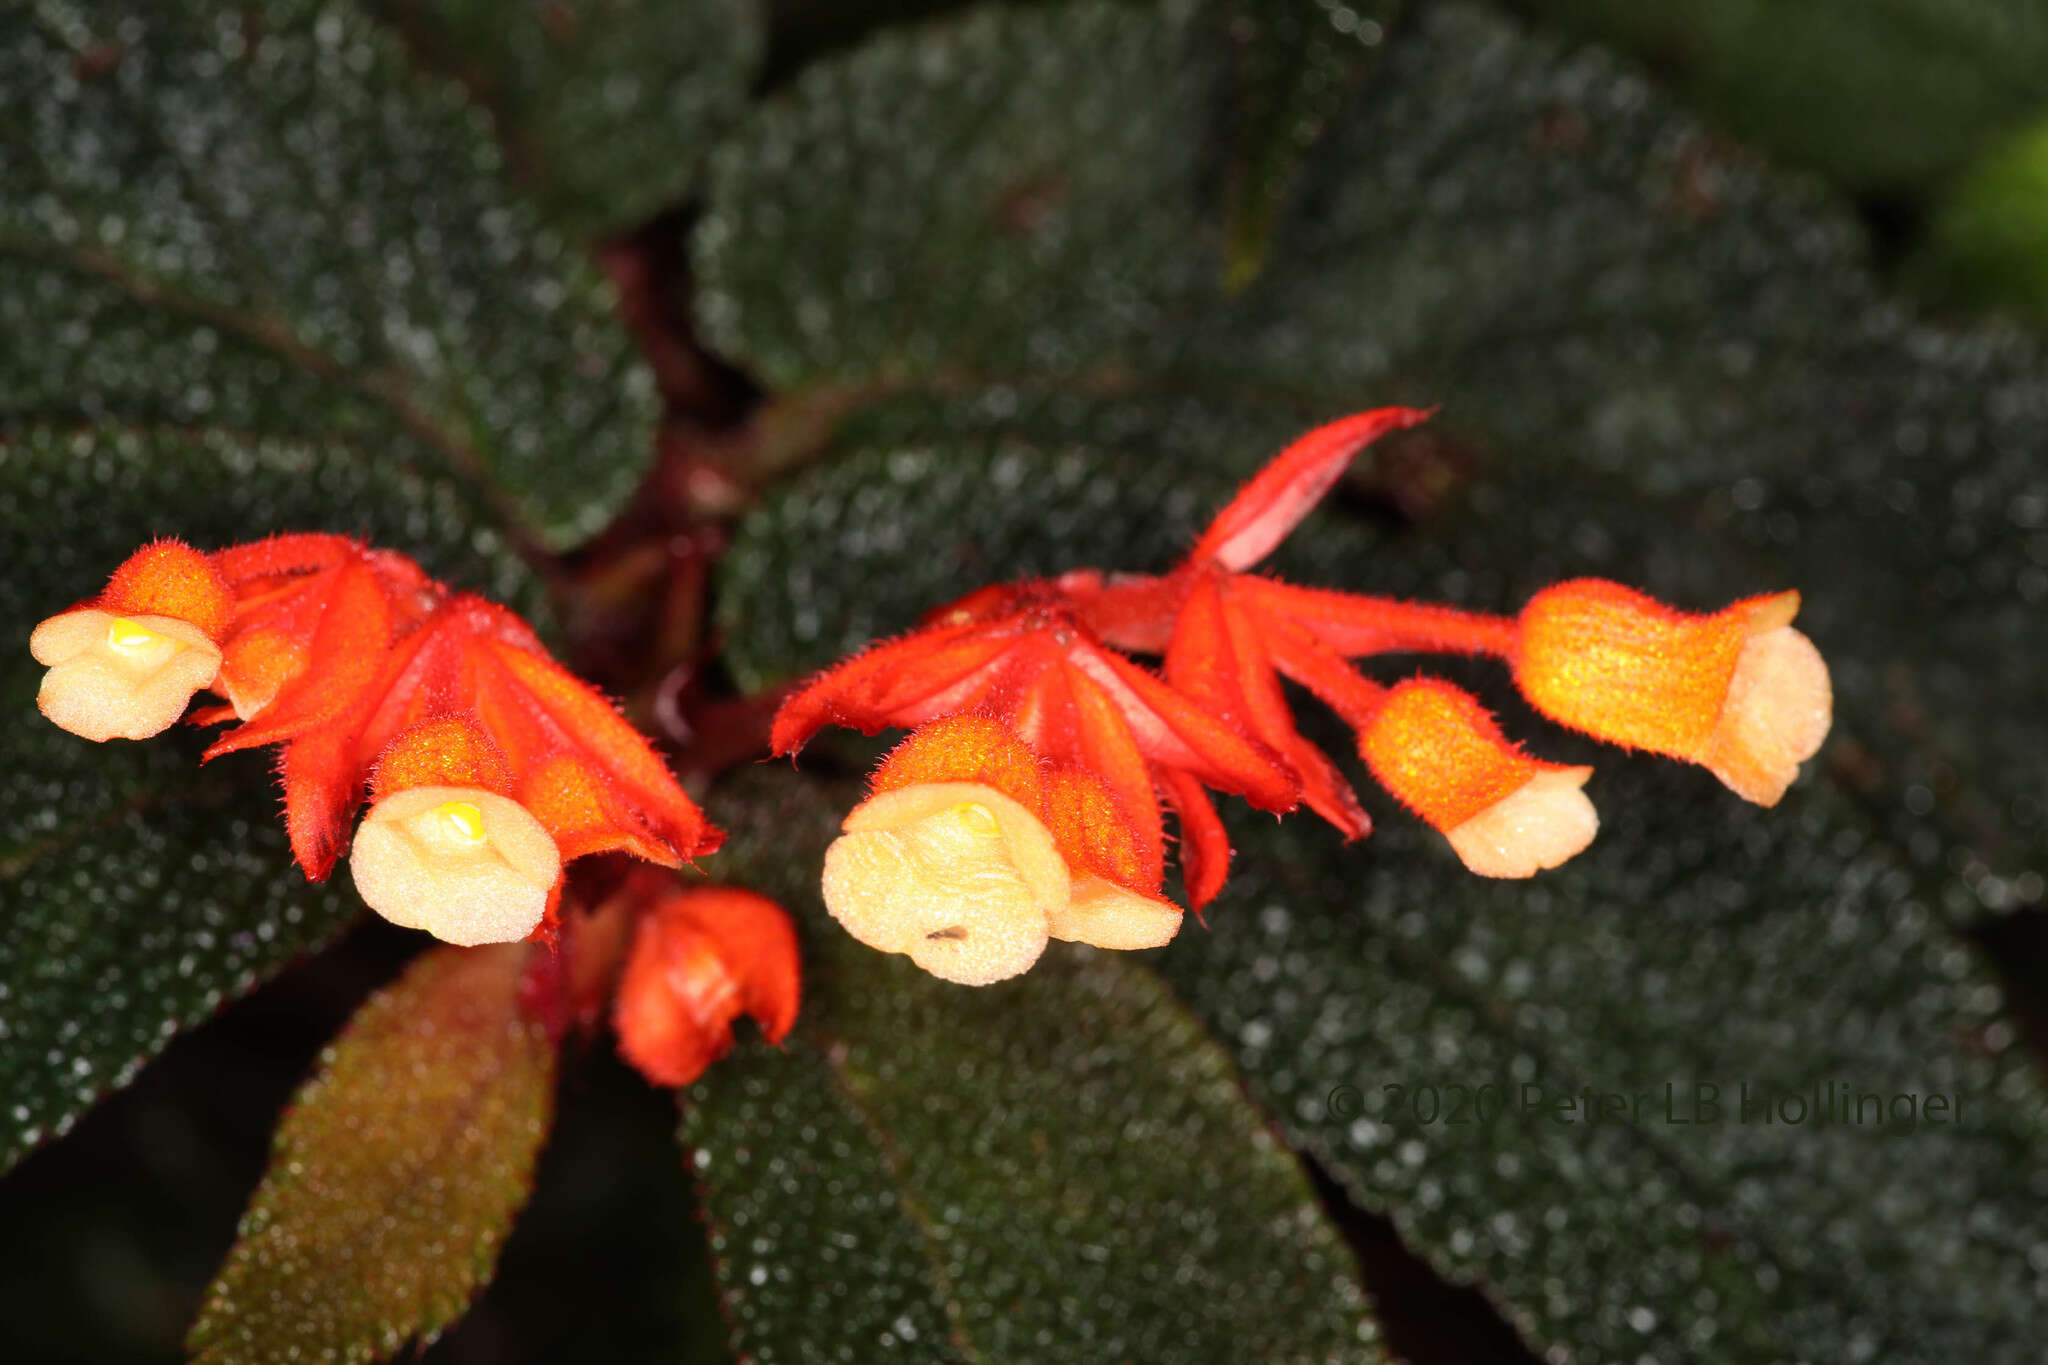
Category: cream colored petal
[468,866]
[1538,825]
[1109,916]
[1779,706]
[120,677]
[955,875]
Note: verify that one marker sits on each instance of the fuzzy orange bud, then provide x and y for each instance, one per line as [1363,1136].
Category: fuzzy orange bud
[1739,692]
[170,578]
[1435,748]
[700,959]
[451,751]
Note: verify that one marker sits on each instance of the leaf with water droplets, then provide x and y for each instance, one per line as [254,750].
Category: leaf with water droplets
[1058,1166]
[1049,159]
[605,107]
[1292,66]
[1889,98]
[396,1172]
[1591,284]
[259,218]
[138,890]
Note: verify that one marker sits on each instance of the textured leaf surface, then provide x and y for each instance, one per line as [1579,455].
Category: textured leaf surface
[136,889]
[1056,1167]
[1783,959]
[1292,67]
[1699,940]
[260,219]
[1050,154]
[1989,245]
[396,1173]
[605,106]
[1595,289]
[1658,365]
[1890,96]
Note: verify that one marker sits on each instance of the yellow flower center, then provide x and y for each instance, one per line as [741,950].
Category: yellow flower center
[462,821]
[125,634]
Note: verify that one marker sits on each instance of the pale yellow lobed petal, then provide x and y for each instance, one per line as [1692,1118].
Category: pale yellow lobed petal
[1779,706]
[466,865]
[1538,825]
[956,875]
[1106,915]
[120,677]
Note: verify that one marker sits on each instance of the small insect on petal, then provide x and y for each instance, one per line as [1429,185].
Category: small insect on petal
[468,866]
[956,875]
[120,677]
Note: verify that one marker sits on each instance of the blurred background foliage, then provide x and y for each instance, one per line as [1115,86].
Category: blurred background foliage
[1463,226]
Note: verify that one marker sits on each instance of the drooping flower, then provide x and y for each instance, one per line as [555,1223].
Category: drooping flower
[1739,692]
[125,664]
[701,958]
[1026,710]
[1073,733]
[489,765]
[974,850]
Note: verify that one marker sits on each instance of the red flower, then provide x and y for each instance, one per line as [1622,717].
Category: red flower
[972,850]
[489,765]
[700,959]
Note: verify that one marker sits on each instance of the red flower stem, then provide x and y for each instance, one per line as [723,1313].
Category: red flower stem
[1356,626]
[1137,613]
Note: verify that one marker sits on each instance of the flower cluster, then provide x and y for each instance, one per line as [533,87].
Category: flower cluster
[1027,803]
[487,765]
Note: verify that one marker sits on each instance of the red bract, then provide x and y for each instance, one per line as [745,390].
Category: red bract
[488,764]
[972,864]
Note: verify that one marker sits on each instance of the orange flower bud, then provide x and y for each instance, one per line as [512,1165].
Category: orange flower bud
[1505,814]
[465,864]
[700,959]
[1739,692]
[170,578]
[451,751]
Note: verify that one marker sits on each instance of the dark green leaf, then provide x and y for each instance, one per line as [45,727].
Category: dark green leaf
[1059,1166]
[136,890]
[605,106]
[1989,244]
[258,218]
[1049,156]
[1783,958]
[1892,96]
[1592,287]
[1292,67]
[1700,940]
[1659,365]
[396,1172]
